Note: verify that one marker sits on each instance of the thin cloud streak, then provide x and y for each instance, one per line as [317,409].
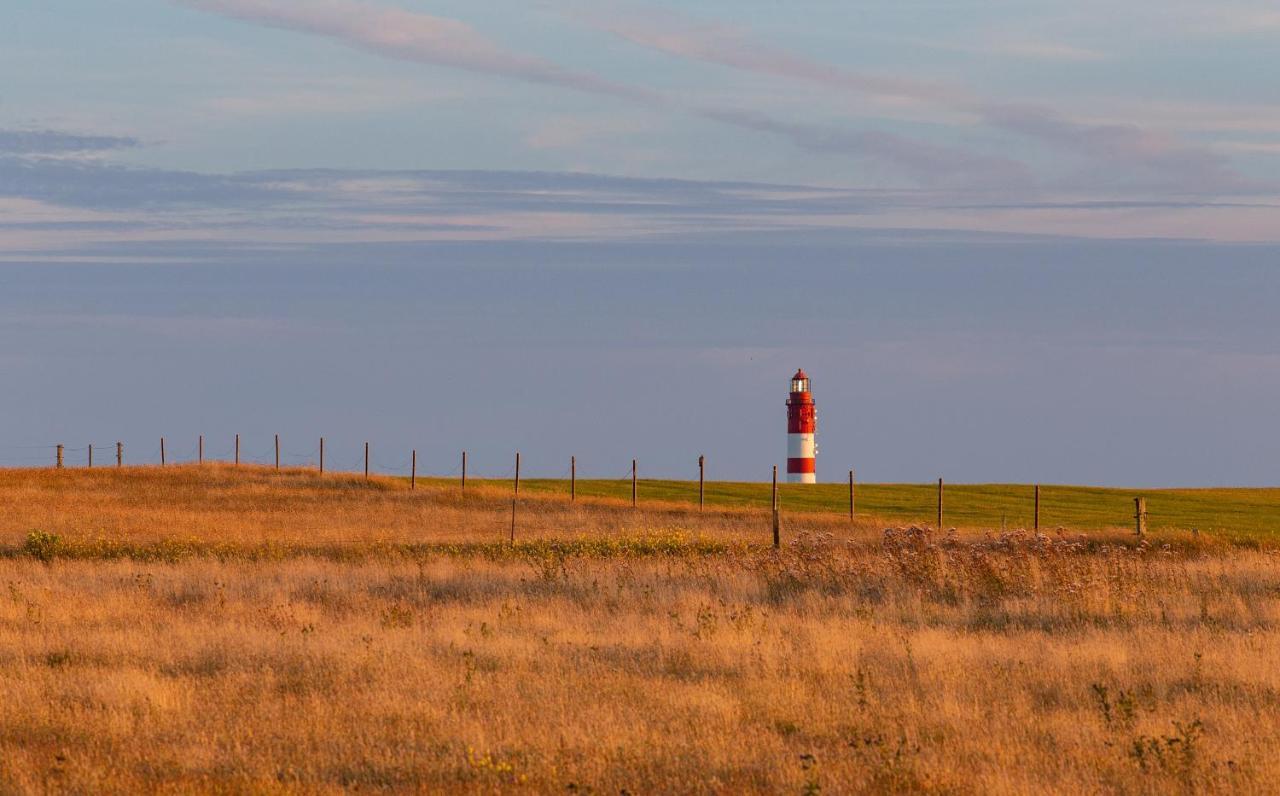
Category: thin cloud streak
[53,142]
[412,36]
[1169,164]
[1042,50]
[50,206]
[1163,162]
[421,38]
[934,164]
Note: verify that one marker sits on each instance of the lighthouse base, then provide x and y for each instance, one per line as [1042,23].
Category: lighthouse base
[802,478]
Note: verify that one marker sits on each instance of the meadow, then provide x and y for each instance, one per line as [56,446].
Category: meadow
[215,629]
[1238,512]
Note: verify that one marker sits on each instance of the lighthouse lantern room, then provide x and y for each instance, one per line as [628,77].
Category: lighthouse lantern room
[802,427]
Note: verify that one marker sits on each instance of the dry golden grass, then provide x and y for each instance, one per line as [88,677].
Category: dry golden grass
[252,505]
[378,650]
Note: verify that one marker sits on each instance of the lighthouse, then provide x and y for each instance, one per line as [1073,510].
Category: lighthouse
[802,426]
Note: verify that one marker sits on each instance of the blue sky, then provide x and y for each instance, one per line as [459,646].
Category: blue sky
[1011,241]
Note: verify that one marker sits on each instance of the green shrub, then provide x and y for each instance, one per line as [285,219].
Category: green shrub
[41,545]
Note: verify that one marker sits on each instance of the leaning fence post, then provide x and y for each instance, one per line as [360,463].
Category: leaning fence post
[1140,514]
[162,452]
[777,530]
[366,461]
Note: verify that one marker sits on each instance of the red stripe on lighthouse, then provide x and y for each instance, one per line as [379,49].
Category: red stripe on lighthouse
[802,465]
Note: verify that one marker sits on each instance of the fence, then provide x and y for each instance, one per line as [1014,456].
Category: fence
[56,456]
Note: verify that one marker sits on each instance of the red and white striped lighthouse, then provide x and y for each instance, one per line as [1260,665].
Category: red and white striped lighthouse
[802,426]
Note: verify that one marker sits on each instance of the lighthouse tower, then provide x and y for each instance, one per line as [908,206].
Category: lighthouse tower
[802,425]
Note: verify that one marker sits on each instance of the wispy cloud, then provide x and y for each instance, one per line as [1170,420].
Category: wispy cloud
[1039,49]
[422,38]
[79,183]
[1014,47]
[412,36]
[1158,161]
[51,208]
[53,142]
[929,164]
[1154,160]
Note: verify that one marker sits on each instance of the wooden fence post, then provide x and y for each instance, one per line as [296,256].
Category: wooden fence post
[277,452]
[464,472]
[60,448]
[237,450]
[633,483]
[573,478]
[162,457]
[366,461]
[939,505]
[702,483]
[777,529]
[1140,515]
[852,505]
[322,456]
[413,473]
[91,457]
[200,449]
[119,454]
[1037,517]
[515,495]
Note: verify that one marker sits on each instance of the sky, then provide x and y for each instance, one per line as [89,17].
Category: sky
[1010,241]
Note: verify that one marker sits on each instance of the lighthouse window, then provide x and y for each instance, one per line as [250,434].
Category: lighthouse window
[799,385]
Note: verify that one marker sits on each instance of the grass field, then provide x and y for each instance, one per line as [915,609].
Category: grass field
[1234,512]
[1240,515]
[208,629]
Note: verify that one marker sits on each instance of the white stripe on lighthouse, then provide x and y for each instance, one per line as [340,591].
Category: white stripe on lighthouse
[801,446]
